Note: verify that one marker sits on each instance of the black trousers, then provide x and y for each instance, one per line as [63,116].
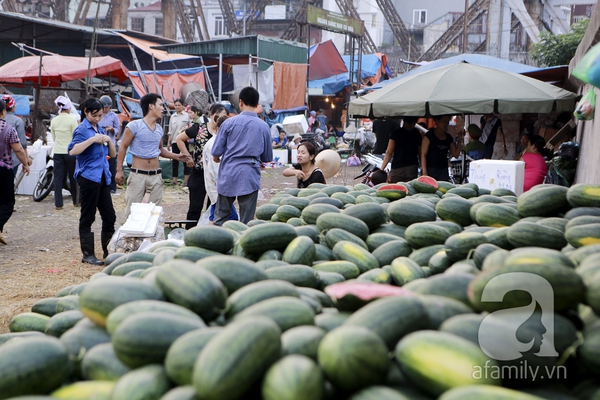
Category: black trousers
[64,168]
[175,164]
[7,195]
[95,196]
[112,167]
[247,205]
[197,195]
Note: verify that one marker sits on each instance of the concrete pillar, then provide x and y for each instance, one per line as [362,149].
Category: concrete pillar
[169,19]
[119,14]
[494,26]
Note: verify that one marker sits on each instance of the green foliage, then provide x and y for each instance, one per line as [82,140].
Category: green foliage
[558,49]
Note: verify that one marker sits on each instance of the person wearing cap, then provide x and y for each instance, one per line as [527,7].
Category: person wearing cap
[475,149]
[242,145]
[19,126]
[311,121]
[178,121]
[111,125]
[61,128]
[295,141]
[144,139]
[9,141]
[281,140]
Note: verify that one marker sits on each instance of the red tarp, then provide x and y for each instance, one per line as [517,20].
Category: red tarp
[57,69]
[325,61]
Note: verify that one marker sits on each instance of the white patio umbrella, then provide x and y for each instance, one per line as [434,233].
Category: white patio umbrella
[462,88]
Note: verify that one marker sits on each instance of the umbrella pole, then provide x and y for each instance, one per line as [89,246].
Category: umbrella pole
[35,104]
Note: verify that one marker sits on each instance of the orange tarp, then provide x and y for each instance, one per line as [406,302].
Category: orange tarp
[289,85]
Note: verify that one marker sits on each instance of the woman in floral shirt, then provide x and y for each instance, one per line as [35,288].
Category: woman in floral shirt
[198,131]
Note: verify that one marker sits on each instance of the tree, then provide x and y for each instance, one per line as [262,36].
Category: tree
[558,49]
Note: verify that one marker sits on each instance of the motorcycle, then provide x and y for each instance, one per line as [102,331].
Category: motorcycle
[45,183]
[373,164]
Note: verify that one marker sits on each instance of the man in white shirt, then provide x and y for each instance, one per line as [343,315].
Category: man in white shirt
[179,120]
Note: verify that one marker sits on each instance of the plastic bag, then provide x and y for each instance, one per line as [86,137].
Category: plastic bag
[586,106]
[353,161]
[204,218]
[588,69]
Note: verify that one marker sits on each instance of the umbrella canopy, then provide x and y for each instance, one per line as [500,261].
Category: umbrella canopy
[57,69]
[462,88]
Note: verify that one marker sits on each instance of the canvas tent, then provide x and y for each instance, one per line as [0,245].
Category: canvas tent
[57,69]
[325,61]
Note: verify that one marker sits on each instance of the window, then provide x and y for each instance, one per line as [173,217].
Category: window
[419,17]
[137,24]
[220,28]
[374,21]
[158,26]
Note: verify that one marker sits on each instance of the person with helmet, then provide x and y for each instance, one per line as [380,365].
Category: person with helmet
[62,127]
[111,125]
[19,126]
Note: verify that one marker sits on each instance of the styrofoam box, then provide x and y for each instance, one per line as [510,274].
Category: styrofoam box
[282,154]
[295,124]
[28,183]
[492,174]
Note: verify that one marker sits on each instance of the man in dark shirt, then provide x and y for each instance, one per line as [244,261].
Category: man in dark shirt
[404,145]
[383,128]
[491,126]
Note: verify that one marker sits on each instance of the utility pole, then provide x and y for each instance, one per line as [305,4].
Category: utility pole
[466,25]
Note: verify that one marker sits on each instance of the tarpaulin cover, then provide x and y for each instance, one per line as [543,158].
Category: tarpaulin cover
[325,61]
[332,84]
[167,81]
[373,67]
[245,75]
[289,85]
[57,69]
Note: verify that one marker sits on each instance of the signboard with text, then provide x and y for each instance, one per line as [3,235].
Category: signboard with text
[332,21]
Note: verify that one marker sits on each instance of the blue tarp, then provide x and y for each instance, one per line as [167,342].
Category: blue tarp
[23,105]
[332,84]
[475,59]
[369,67]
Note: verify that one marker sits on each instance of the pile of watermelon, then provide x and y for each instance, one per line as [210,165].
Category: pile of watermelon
[418,290]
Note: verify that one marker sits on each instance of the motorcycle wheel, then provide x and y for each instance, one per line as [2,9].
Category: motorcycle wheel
[44,185]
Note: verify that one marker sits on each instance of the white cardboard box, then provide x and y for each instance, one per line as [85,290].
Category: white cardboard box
[295,124]
[492,174]
[281,156]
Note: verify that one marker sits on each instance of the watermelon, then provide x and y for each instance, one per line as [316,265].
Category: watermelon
[293,377]
[353,357]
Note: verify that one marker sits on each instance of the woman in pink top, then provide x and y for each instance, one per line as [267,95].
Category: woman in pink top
[535,165]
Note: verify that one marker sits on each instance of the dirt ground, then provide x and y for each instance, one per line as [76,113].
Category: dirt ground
[43,254]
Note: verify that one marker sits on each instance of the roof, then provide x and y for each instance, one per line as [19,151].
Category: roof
[153,7]
[325,61]
[475,59]
[264,47]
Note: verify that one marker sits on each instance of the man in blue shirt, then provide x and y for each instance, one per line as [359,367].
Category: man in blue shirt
[111,125]
[322,118]
[242,144]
